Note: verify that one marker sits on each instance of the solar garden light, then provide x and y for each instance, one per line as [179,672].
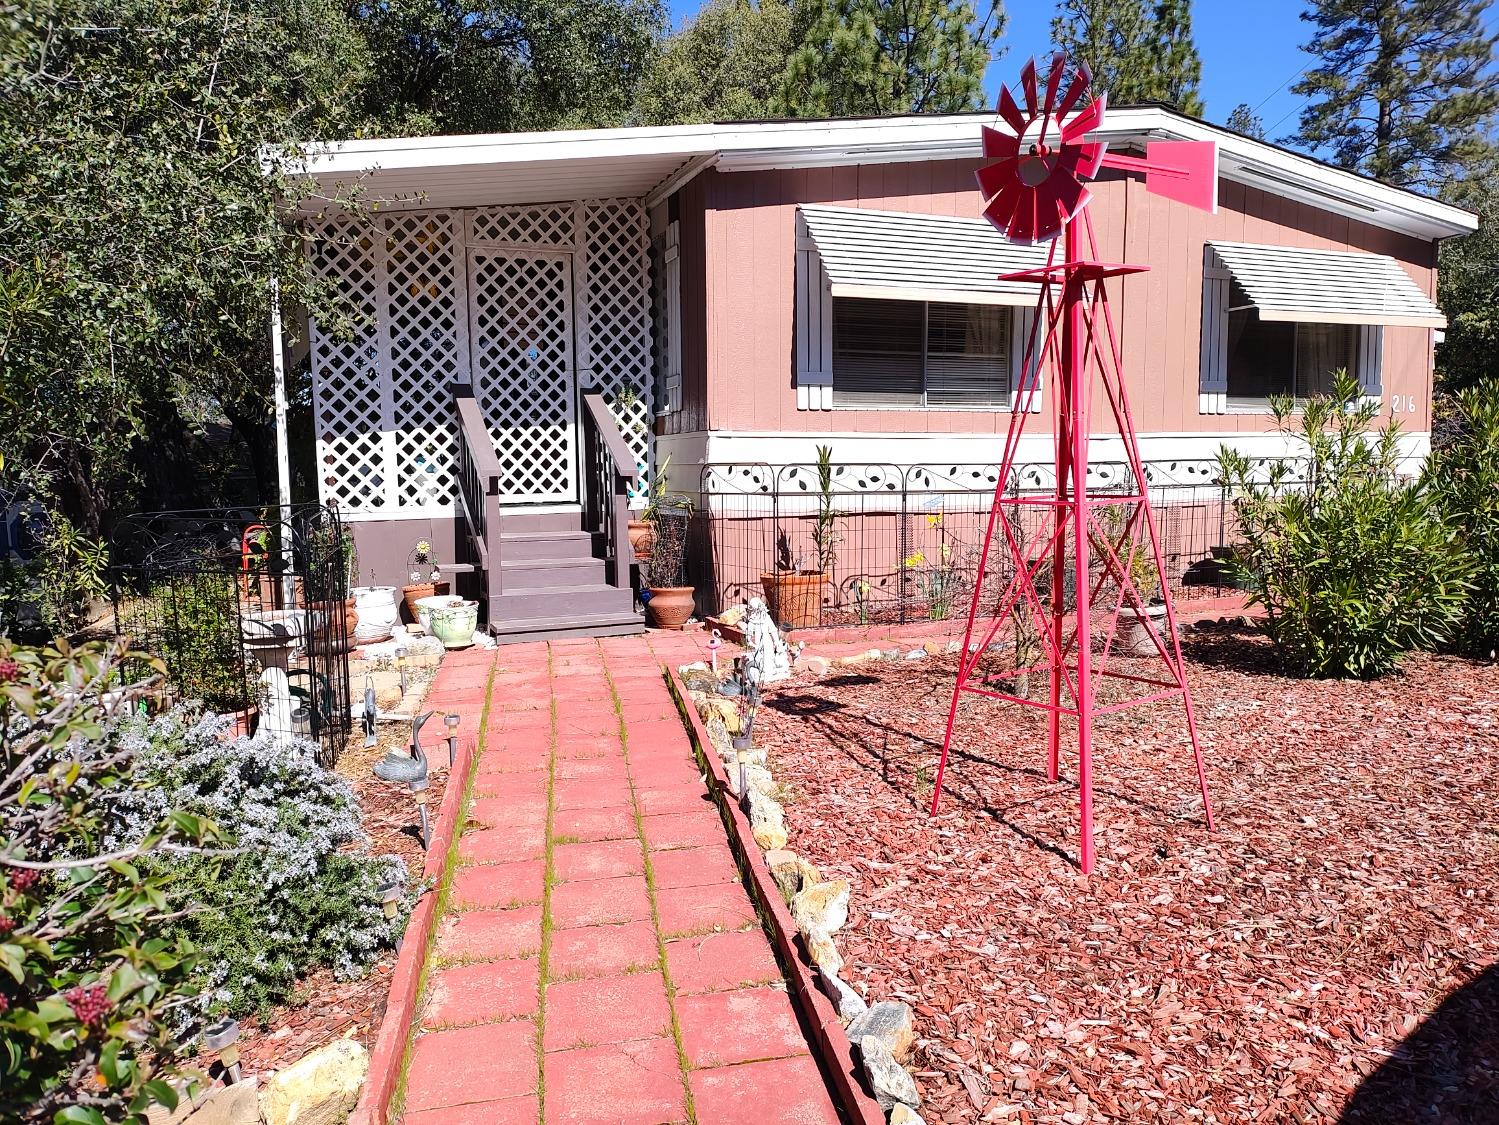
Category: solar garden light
[420,795]
[744,741]
[222,1039]
[401,666]
[451,721]
[390,898]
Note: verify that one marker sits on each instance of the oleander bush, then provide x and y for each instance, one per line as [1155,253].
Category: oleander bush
[1353,565]
[92,970]
[1463,477]
[300,890]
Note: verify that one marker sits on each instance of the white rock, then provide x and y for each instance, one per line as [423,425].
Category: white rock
[767,822]
[888,1080]
[822,906]
[823,952]
[849,1003]
[217,1105]
[890,1022]
[319,1089]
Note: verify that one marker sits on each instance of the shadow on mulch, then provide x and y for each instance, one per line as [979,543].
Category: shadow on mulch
[1239,650]
[1445,1070]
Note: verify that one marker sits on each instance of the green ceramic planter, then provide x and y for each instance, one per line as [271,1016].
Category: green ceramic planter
[454,624]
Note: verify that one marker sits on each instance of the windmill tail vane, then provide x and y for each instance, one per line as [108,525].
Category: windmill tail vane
[1068,560]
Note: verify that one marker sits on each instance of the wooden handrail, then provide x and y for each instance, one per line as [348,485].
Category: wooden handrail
[614,441]
[478,490]
[609,468]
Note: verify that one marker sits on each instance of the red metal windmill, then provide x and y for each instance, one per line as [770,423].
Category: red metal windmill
[1035,188]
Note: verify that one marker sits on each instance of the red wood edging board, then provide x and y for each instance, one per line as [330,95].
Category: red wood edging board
[829,1041]
[400,1007]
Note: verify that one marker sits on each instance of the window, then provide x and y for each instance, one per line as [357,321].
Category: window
[920,354]
[1281,357]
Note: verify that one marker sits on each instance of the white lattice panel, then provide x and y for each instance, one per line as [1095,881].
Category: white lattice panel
[524,379]
[551,225]
[618,302]
[349,401]
[529,285]
[423,312]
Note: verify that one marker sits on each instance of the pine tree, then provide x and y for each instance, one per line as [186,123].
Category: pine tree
[1176,66]
[1245,120]
[724,65]
[888,56]
[1403,92]
[1136,54]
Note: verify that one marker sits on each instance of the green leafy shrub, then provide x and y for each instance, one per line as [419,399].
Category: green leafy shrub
[49,594]
[299,891]
[1463,477]
[89,968]
[1353,566]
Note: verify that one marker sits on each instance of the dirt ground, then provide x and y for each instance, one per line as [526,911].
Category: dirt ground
[1326,955]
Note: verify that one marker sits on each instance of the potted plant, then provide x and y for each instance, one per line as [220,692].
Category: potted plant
[642,531]
[793,592]
[1136,626]
[332,563]
[669,601]
[378,611]
[425,579]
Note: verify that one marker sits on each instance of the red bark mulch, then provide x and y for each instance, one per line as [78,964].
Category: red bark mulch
[1327,955]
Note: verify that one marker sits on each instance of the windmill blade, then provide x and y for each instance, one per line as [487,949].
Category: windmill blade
[993,179]
[1028,84]
[1082,161]
[1000,209]
[1000,146]
[1070,194]
[1054,82]
[1086,121]
[1082,82]
[1010,112]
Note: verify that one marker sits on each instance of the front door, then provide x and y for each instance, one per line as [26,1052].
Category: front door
[525,381]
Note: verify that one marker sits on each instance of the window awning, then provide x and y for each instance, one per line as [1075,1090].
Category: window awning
[896,255]
[1287,283]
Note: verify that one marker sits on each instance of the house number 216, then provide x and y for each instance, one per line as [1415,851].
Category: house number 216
[1402,404]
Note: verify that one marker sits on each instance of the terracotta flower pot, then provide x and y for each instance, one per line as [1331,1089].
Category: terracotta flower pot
[642,538]
[413,594]
[670,606]
[794,597]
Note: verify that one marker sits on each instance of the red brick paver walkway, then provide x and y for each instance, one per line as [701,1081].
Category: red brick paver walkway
[600,961]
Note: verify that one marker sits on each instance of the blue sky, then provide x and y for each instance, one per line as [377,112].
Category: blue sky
[1248,50]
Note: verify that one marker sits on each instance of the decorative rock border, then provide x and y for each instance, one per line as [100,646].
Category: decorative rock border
[798,905]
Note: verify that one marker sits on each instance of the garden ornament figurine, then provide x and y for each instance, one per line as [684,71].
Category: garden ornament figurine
[768,660]
[715,642]
[406,764]
[1034,189]
[371,710]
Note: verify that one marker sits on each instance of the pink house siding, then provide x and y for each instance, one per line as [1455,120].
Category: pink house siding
[738,358]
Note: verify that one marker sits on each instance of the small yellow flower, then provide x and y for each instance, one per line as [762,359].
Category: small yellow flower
[863,587]
[915,560]
[934,520]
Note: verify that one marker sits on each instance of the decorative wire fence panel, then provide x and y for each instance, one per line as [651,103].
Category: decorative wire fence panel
[908,538]
[221,596]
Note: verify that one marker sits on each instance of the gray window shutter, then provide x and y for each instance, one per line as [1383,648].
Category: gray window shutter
[814,326]
[1371,361]
[1212,379]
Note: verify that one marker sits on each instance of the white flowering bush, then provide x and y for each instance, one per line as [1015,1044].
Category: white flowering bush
[298,889]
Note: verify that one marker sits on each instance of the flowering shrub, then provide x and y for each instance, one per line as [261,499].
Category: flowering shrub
[299,890]
[1463,475]
[89,972]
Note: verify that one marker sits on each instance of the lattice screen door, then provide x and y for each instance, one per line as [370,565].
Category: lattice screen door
[525,379]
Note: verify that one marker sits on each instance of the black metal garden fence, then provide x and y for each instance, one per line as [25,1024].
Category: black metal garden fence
[248,611]
[908,536]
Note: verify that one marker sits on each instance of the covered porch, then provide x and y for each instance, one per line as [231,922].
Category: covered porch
[495,395]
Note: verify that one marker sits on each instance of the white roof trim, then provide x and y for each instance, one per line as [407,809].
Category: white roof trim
[896,255]
[1287,283]
[557,156]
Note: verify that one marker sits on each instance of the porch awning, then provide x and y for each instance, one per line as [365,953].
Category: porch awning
[897,255]
[1287,283]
